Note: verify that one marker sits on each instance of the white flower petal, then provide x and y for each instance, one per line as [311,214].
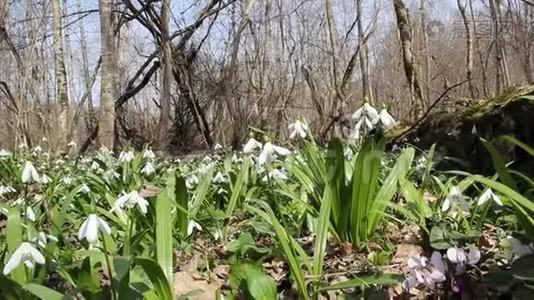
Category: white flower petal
[456,255]
[473,255]
[104,227]
[83,229]
[13,262]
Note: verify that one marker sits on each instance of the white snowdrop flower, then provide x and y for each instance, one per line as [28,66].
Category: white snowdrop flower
[84,189]
[218,147]
[105,151]
[29,173]
[30,215]
[72,144]
[203,168]
[348,153]
[455,199]
[90,228]
[361,128]
[44,140]
[148,169]
[127,156]
[270,153]
[149,154]
[520,249]
[66,180]
[36,150]
[298,128]
[18,202]
[45,179]
[386,119]
[4,190]
[43,238]
[25,253]
[23,146]
[367,112]
[95,166]
[191,181]
[251,145]
[474,130]
[192,226]
[220,178]
[221,191]
[4,154]
[276,174]
[489,195]
[217,234]
[130,200]
[236,159]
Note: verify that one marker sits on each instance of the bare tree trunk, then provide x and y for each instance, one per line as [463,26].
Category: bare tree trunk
[481,55]
[363,55]
[332,36]
[227,85]
[167,65]
[424,48]
[410,70]
[528,11]
[502,78]
[61,75]
[108,91]
[469,49]
[85,62]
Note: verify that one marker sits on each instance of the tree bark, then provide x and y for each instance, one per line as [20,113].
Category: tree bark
[108,90]
[85,62]
[363,55]
[61,76]
[227,84]
[424,49]
[167,65]
[410,70]
[469,49]
[332,36]
[502,77]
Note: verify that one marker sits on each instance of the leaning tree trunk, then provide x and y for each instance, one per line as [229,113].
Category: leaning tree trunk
[410,70]
[61,75]
[108,92]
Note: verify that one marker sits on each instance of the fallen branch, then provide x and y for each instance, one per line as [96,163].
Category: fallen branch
[427,112]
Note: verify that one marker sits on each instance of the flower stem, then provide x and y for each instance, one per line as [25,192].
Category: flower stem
[108,263]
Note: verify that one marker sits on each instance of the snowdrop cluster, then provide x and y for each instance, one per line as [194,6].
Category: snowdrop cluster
[131,200]
[127,156]
[4,190]
[4,154]
[269,151]
[298,129]
[367,118]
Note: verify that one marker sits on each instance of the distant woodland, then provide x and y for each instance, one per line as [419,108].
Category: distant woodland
[183,75]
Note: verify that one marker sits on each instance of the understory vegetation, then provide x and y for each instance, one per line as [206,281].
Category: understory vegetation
[305,221]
